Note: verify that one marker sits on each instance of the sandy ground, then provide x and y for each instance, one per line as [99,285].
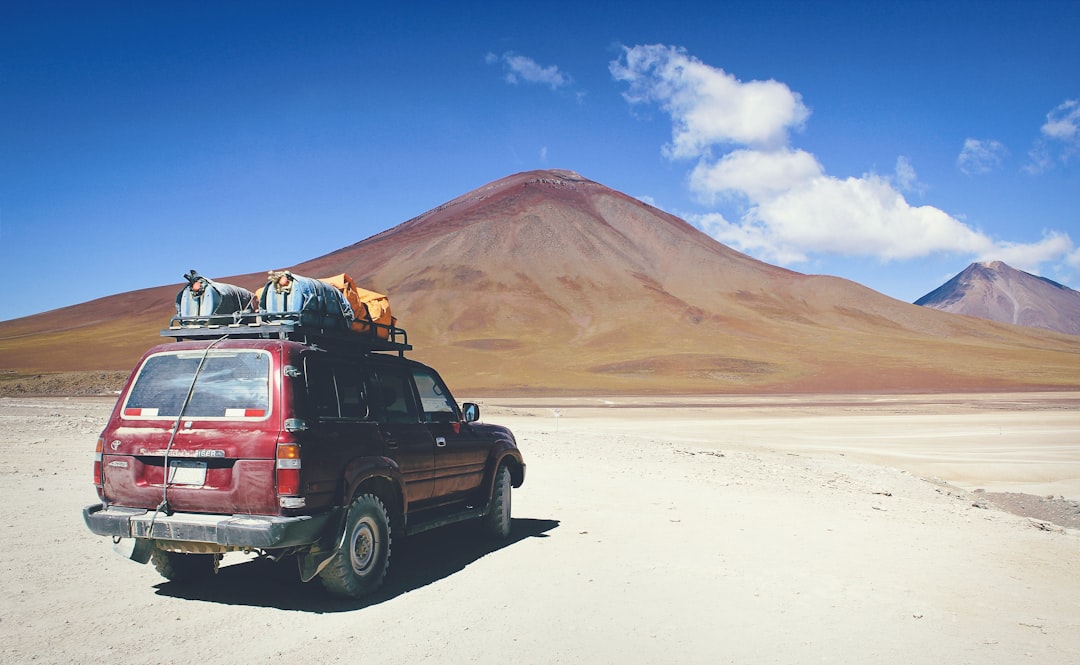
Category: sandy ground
[839,529]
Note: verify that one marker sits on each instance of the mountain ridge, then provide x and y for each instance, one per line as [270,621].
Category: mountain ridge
[545,282]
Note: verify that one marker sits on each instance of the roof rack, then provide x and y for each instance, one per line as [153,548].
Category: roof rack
[296,326]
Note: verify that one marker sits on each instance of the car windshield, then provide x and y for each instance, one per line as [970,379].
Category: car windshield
[231,384]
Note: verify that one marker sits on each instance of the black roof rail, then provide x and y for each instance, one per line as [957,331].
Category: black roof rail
[292,326]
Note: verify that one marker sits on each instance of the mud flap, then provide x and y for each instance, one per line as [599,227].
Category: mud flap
[136,549]
[315,559]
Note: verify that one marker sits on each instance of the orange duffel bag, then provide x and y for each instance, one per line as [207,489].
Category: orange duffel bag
[368,307]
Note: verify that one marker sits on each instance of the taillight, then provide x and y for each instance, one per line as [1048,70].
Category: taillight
[288,474]
[99,480]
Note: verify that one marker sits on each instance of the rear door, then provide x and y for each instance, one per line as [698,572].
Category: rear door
[341,427]
[198,428]
[407,439]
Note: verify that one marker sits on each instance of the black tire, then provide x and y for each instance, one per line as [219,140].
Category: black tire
[359,566]
[178,567]
[496,521]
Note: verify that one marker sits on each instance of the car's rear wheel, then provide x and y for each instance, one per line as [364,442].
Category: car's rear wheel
[496,520]
[179,567]
[360,564]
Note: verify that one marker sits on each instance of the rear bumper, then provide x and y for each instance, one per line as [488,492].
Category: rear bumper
[256,531]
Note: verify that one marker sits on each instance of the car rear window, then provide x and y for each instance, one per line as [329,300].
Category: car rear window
[230,384]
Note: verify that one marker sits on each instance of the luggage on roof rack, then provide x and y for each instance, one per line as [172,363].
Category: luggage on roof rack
[331,310]
[316,302]
[204,300]
[371,311]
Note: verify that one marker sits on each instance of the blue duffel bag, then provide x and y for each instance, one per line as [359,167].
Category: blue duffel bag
[207,300]
[309,301]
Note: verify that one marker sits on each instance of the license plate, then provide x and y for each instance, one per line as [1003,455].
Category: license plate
[187,472]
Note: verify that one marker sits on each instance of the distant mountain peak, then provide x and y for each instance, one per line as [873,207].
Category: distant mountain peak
[996,291]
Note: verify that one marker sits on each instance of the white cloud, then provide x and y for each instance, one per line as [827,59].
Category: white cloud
[1040,159]
[1060,138]
[1063,123]
[520,68]
[788,208]
[1054,246]
[707,105]
[864,217]
[850,217]
[906,178]
[1073,258]
[980,156]
[756,174]
[748,236]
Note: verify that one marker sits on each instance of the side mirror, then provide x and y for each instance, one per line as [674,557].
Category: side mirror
[470,412]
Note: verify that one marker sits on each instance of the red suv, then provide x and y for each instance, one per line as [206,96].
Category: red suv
[289,442]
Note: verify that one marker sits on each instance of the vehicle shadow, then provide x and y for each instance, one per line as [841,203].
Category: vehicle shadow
[415,562]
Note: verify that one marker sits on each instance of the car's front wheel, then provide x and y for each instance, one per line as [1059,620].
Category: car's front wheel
[360,564]
[496,520]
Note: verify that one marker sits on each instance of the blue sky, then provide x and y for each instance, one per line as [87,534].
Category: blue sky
[892,145]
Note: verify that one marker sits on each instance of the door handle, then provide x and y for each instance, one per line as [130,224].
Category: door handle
[440,441]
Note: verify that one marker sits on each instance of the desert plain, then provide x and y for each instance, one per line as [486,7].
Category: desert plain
[765,529]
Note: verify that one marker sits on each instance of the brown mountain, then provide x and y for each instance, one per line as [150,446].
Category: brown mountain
[998,292]
[546,282]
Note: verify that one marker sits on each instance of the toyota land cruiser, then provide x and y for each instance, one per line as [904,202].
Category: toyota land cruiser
[274,439]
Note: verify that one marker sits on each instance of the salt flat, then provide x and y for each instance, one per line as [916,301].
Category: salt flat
[1006,442]
[775,529]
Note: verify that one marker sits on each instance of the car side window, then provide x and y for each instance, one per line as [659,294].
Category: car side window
[398,399]
[321,391]
[352,391]
[336,390]
[435,400]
